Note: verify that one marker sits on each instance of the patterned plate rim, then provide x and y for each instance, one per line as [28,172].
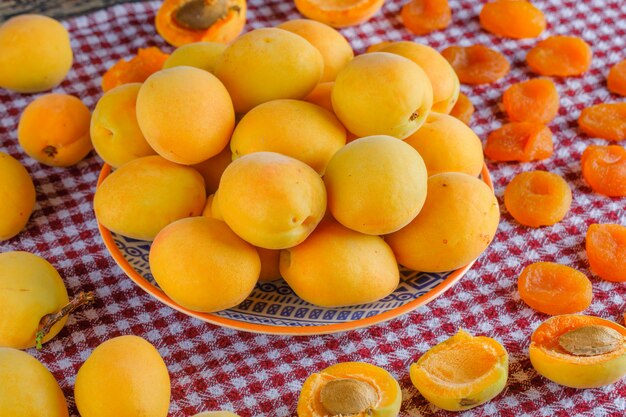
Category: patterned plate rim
[157,293]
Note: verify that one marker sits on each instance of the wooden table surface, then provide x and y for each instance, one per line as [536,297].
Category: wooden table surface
[59,9]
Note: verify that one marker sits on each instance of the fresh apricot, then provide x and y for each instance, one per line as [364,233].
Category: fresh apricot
[520,141]
[202,55]
[538,198]
[531,101]
[560,55]
[339,14]
[512,19]
[36,53]
[380,80]
[421,17]
[54,130]
[136,70]
[476,64]
[604,169]
[320,95]
[17,194]
[606,251]
[606,121]
[376,47]
[616,80]
[213,168]
[463,109]
[448,145]
[178,121]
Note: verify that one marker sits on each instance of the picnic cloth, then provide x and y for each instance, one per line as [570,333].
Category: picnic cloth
[261,375]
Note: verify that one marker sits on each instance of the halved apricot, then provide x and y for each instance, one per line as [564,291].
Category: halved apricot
[512,19]
[531,101]
[560,56]
[462,372]
[339,13]
[421,17]
[136,70]
[522,141]
[606,250]
[476,64]
[616,81]
[606,121]
[463,109]
[604,169]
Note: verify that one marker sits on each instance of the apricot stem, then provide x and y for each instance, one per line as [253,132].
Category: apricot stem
[50,151]
[49,320]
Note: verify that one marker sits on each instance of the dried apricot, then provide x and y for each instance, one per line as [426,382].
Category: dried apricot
[561,56]
[616,81]
[531,101]
[606,250]
[424,16]
[606,121]
[554,289]
[476,64]
[512,19]
[520,141]
[463,109]
[604,169]
[537,198]
[339,13]
[137,70]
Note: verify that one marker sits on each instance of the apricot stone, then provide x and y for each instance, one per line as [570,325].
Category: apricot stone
[17,194]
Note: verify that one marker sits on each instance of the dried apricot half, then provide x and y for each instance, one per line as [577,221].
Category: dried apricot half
[512,19]
[553,288]
[531,101]
[339,13]
[616,81]
[476,64]
[520,141]
[136,70]
[424,16]
[606,250]
[463,109]
[560,55]
[604,169]
[606,121]
[538,198]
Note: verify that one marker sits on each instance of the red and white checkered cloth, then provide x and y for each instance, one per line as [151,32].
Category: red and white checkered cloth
[260,375]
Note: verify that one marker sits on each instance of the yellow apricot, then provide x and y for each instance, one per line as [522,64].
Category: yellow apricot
[335,49]
[17,194]
[115,133]
[185,250]
[185,114]
[382,94]
[461,372]
[336,266]
[268,64]
[36,53]
[146,194]
[376,185]
[213,168]
[287,196]
[442,77]
[202,55]
[458,221]
[54,130]
[321,96]
[28,389]
[123,377]
[448,145]
[294,128]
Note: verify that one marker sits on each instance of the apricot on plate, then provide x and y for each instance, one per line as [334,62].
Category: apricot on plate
[616,80]
[561,56]
[36,53]
[421,17]
[213,168]
[606,120]
[320,95]
[287,195]
[606,249]
[448,145]
[512,19]
[579,351]
[202,55]
[461,372]
[339,14]
[179,120]
[336,267]
[146,194]
[381,80]
[520,141]
[604,169]
[268,64]
[458,221]
[294,128]
[124,376]
[442,77]
[186,249]
[28,389]
[535,100]
[54,130]
[17,194]
[355,389]
[114,130]
[335,49]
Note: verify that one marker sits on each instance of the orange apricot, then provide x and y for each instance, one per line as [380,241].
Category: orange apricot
[616,81]
[476,64]
[560,56]
[376,47]
[521,141]
[512,19]
[463,109]
[136,70]
[537,198]
[553,288]
[606,250]
[531,101]
[606,121]
[604,169]
[339,13]
[421,17]
[321,95]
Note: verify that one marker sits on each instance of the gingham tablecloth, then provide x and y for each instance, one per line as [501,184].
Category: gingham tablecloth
[261,375]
